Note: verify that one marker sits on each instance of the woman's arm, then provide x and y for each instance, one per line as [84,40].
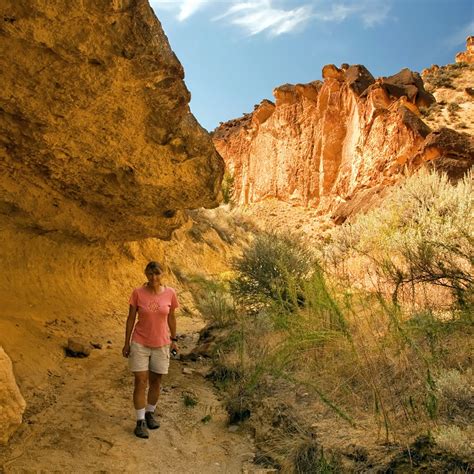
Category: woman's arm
[172,323]
[172,326]
[132,314]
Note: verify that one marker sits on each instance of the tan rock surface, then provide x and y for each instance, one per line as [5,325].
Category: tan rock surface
[11,401]
[328,149]
[97,139]
[454,107]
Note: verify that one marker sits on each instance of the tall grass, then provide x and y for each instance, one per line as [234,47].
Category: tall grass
[367,356]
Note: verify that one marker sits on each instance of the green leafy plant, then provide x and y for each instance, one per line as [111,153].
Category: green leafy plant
[227,187]
[189,399]
[272,270]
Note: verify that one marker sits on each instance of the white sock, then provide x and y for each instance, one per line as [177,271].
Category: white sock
[140,414]
[151,408]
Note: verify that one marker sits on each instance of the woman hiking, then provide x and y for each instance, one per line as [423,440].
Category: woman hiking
[152,339]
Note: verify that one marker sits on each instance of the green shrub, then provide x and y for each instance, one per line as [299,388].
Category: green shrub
[442,77]
[309,457]
[227,187]
[424,233]
[189,399]
[453,108]
[272,270]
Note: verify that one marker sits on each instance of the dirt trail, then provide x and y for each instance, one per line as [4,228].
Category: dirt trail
[85,423]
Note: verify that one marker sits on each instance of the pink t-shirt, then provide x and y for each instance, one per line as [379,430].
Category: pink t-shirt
[152,328]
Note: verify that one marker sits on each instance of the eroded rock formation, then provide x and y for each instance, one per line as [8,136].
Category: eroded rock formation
[334,145]
[12,403]
[468,55]
[96,136]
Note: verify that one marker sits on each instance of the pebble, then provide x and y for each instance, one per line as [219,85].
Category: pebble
[187,371]
[77,347]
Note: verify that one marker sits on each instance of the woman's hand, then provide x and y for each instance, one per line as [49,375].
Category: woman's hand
[174,347]
[126,350]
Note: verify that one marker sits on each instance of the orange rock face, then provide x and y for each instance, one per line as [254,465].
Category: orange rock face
[96,136]
[326,144]
[468,55]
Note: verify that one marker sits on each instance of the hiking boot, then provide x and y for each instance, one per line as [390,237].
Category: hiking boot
[150,421]
[140,429]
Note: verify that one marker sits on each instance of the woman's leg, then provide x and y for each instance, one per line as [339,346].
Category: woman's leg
[139,391]
[154,390]
[153,394]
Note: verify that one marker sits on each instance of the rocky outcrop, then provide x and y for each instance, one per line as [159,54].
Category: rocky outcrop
[447,151]
[468,55]
[408,84]
[96,136]
[12,403]
[334,145]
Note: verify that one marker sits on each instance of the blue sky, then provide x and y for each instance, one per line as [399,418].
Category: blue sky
[234,52]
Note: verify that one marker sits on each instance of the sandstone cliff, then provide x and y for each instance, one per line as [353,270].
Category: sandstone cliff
[333,145]
[100,158]
[97,139]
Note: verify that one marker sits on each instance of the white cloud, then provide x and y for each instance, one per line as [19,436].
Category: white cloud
[459,37]
[185,8]
[258,16]
[336,13]
[371,12]
[189,7]
[375,14]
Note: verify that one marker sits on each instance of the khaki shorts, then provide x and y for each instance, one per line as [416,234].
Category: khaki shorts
[142,358]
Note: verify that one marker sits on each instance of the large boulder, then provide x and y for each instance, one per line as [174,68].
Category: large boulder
[11,401]
[409,84]
[96,136]
[359,78]
[447,151]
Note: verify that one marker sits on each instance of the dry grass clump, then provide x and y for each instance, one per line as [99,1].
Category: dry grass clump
[456,395]
[456,441]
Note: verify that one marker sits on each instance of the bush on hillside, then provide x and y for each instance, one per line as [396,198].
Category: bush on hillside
[272,270]
[214,301]
[423,233]
[227,188]
[442,77]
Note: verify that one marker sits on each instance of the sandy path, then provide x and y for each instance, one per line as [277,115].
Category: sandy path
[85,425]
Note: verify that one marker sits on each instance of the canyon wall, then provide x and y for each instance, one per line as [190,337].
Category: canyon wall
[335,145]
[96,136]
[100,159]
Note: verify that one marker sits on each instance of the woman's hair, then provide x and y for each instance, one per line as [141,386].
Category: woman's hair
[153,267]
